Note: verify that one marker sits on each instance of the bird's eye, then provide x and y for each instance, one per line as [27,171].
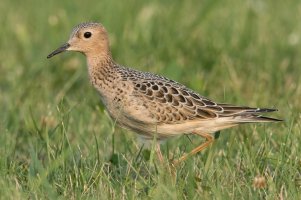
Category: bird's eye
[87,34]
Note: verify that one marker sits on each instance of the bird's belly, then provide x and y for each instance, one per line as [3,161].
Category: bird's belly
[131,115]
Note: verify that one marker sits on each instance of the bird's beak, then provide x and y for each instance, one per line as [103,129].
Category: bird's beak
[61,49]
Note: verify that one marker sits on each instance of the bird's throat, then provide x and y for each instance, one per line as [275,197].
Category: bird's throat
[101,71]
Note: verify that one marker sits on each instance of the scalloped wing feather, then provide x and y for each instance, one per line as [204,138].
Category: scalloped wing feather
[170,102]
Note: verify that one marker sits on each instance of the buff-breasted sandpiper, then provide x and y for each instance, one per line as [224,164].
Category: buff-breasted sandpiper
[149,104]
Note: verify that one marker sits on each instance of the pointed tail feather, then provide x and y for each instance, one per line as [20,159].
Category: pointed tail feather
[261,110]
[233,108]
[252,116]
[255,118]
[245,114]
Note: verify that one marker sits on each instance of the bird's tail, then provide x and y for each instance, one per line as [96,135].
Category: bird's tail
[256,118]
[242,114]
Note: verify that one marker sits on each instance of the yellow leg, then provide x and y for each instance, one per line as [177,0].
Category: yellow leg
[209,140]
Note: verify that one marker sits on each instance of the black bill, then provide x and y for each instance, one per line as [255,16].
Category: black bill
[61,49]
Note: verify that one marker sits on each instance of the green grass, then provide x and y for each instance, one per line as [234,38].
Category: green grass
[57,142]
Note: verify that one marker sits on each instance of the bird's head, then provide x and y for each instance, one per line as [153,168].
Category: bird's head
[90,39]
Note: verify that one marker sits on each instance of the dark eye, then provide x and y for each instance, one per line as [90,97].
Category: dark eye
[87,34]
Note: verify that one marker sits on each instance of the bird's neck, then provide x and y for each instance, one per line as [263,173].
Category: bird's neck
[101,67]
[99,60]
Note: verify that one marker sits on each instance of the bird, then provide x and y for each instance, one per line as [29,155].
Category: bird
[151,105]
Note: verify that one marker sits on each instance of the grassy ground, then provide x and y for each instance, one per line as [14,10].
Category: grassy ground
[57,141]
